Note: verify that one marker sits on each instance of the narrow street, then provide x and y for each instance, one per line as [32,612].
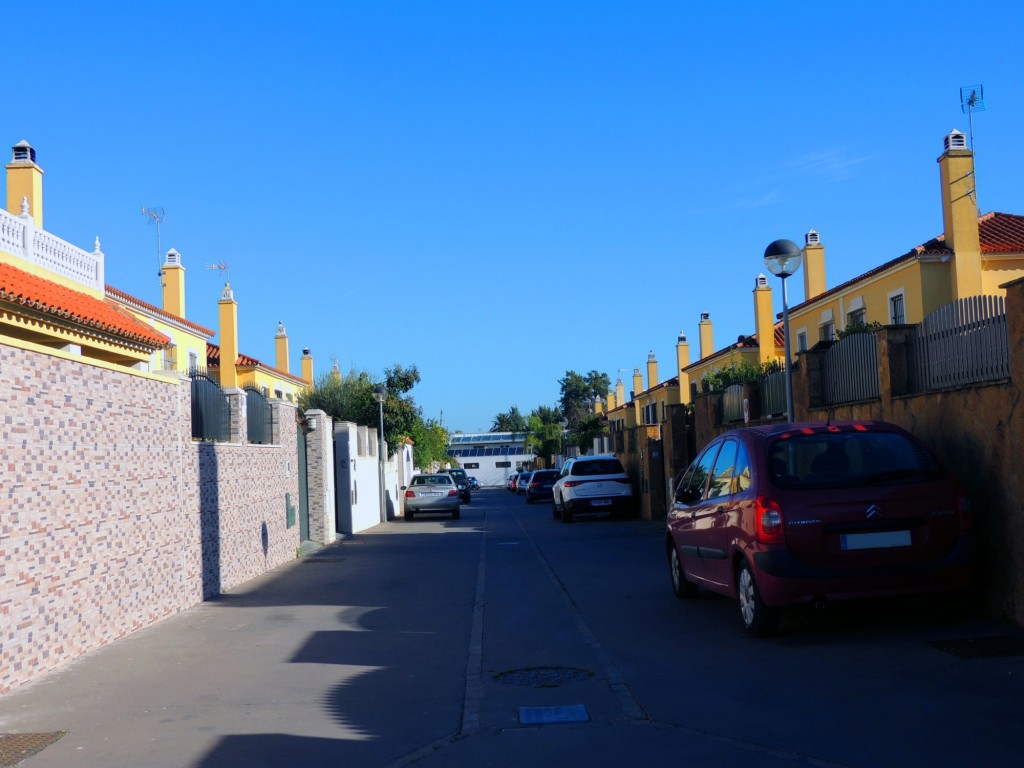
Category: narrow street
[508,638]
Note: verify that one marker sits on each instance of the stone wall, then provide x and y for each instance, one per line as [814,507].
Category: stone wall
[111,518]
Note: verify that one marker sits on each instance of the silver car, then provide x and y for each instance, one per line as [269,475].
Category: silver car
[431,493]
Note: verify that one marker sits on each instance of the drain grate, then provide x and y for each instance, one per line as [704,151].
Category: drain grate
[543,677]
[992,647]
[15,747]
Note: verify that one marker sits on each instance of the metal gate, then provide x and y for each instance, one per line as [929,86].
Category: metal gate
[303,484]
[343,485]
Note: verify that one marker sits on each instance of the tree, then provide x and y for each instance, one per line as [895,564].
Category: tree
[430,444]
[578,393]
[509,421]
[352,398]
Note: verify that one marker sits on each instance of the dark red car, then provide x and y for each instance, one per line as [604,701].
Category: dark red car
[794,514]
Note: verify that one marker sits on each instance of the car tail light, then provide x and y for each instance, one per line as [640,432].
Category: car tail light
[573,483]
[964,511]
[769,524]
[453,492]
[410,494]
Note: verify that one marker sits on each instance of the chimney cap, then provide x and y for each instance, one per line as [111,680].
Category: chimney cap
[954,140]
[705,316]
[23,152]
[812,238]
[305,351]
[172,257]
[682,338]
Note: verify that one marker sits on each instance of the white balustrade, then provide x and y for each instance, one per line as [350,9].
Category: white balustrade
[20,237]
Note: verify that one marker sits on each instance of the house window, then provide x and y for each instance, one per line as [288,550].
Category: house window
[801,341]
[827,332]
[897,313]
[503,464]
[857,317]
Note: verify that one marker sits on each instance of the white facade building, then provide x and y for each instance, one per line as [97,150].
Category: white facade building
[490,457]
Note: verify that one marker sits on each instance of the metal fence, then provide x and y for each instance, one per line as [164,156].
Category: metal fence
[732,404]
[850,370]
[962,343]
[211,412]
[259,429]
[773,394]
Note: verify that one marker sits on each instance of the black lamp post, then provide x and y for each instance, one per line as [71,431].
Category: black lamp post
[783,258]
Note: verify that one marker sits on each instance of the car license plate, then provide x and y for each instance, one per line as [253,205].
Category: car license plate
[601,503]
[875,540]
[431,494]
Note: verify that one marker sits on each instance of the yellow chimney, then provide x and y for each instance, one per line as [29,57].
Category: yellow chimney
[227,309]
[764,318]
[598,405]
[652,371]
[172,278]
[25,182]
[814,265]
[610,401]
[638,382]
[707,343]
[620,392]
[683,361]
[281,348]
[960,214]
[307,367]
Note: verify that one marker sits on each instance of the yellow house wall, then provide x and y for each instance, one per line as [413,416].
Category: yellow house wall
[997,273]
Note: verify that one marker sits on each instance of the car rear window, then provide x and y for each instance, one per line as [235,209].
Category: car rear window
[597,467]
[432,480]
[848,459]
[546,474]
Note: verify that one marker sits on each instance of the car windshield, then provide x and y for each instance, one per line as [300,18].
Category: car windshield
[848,460]
[597,467]
[548,474]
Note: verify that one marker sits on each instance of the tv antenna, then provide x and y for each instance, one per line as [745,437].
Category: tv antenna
[972,99]
[156,215]
[221,266]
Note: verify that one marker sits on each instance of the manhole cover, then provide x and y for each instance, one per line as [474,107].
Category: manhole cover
[15,747]
[543,677]
[982,647]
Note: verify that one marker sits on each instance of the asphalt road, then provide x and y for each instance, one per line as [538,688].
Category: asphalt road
[507,638]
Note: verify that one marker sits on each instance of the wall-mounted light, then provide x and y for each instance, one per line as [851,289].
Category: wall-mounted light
[311,422]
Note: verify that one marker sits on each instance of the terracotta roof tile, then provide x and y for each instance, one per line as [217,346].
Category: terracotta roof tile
[244,361]
[129,299]
[48,297]
[1001,233]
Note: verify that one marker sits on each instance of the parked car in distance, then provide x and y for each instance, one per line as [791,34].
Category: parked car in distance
[510,484]
[474,484]
[540,485]
[431,493]
[522,481]
[792,514]
[458,474]
[592,484]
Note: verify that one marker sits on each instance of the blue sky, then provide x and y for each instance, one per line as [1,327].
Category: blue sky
[500,192]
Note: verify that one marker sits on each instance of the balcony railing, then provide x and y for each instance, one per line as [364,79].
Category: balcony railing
[19,236]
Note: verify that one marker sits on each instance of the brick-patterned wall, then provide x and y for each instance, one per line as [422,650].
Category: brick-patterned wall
[109,512]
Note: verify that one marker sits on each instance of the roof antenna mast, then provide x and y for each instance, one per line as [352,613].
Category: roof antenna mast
[972,99]
[157,215]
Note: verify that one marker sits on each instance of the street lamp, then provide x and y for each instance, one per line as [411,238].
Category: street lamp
[783,258]
[565,439]
[380,392]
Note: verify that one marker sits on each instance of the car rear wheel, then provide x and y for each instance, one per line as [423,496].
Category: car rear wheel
[566,513]
[555,511]
[683,587]
[408,515]
[456,513]
[758,619]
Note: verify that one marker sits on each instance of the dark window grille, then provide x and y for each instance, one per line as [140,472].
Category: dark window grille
[211,412]
[257,414]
